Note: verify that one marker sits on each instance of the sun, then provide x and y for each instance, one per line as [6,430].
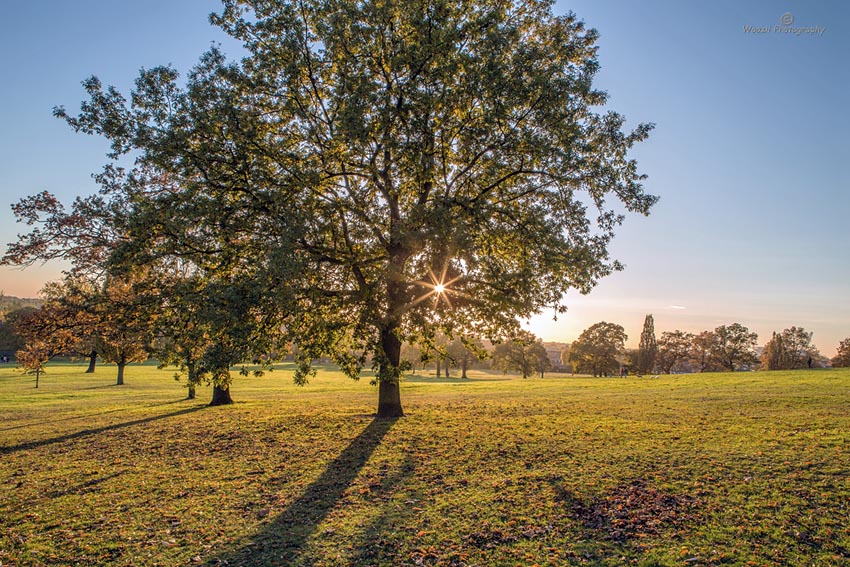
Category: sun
[439,288]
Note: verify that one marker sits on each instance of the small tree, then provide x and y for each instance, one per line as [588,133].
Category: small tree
[648,349]
[44,334]
[433,348]
[179,344]
[789,350]
[122,316]
[465,352]
[525,354]
[411,356]
[77,297]
[798,350]
[34,358]
[598,349]
[734,346]
[842,356]
[182,333]
[674,348]
[772,357]
[702,347]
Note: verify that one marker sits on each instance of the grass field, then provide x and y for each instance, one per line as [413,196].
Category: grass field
[714,469]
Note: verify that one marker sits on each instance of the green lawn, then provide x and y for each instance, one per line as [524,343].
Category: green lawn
[714,469]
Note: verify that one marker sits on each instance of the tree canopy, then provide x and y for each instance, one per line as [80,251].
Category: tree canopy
[674,348]
[648,348]
[597,349]
[464,353]
[842,356]
[789,350]
[733,346]
[384,170]
[525,354]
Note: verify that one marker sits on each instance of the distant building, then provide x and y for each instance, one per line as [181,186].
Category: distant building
[553,351]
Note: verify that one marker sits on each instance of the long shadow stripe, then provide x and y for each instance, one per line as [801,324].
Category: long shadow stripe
[284,538]
[86,432]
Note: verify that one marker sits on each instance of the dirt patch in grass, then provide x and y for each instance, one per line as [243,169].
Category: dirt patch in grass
[632,511]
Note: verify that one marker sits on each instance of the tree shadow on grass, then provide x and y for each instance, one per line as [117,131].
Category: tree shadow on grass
[94,431]
[377,543]
[283,540]
[59,419]
[85,415]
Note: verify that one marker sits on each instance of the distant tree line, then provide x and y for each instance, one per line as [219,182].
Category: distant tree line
[600,351]
[169,318]
[524,354]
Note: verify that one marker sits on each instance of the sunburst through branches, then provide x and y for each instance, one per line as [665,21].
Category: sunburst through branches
[439,288]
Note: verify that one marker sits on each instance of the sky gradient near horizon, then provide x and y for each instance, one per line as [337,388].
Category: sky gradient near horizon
[749,154]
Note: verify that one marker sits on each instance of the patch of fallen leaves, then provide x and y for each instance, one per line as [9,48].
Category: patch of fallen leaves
[634,510]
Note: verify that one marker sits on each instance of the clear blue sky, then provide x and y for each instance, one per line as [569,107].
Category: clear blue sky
[750,153]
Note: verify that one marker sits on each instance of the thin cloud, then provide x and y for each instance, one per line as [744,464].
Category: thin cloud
[676,307]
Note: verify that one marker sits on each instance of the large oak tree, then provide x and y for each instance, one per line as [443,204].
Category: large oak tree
[388,167]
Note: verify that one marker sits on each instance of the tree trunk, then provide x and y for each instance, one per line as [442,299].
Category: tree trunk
[389,400]
[37,374]
[463,366]
[120,381]
[192,378]
[92,361]
[389,393]
[447,369]
[389,374]
[221,396]
[438,368]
